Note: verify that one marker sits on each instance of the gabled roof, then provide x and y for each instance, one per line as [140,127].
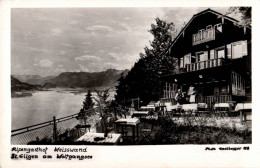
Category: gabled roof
[197,15]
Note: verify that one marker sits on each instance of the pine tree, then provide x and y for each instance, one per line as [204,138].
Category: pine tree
[107,118]
[88,102]
[86,111]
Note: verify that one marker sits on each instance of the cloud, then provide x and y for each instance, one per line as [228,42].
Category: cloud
[102,51]
[73,22]
[45,63]
[59,70]
[116,48]
[87,43]
[99,29]
[113,55]
[67,45]
[56,31]
[127,18]
[87,58]
[30,34]
[61,52]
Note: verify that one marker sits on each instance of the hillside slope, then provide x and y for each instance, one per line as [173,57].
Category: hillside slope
[106,78]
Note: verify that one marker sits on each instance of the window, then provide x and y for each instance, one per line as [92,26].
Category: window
[223,89]
[201,33]
[169,90]
[229,51]
[236,50]
[181,62]
[220,53]
[238,84]
[212,54]
[203,56]
[187,59]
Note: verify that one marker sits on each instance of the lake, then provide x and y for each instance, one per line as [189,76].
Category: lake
[43,105]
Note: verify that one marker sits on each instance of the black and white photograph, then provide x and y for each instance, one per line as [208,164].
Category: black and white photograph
[128,85]
[131,76]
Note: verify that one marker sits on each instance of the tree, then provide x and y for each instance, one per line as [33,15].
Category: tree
[85,111]
[121,89]
[88,102]
[245,13]
[105,113]
[143,80]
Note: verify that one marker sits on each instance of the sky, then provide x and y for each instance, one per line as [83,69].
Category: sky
[49,41]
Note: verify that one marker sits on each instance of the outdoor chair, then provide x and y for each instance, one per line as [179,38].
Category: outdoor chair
[168,114]
[123,128]
[146,137]
[82,129]
[222,109]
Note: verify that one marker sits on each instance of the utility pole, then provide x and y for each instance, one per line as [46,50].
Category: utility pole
[54,130]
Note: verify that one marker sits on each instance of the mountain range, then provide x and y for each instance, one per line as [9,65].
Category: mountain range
[107,79]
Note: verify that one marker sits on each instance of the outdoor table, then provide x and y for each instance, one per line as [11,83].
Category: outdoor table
[222,108]
[202,105]
[88,138]
[140,114]
[244,109]
[175,107]
[189,107]
[171,109]
[147,108]
[129,122]
[219,105]
[202,110]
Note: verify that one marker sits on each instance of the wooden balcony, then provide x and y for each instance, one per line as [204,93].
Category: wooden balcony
[217,99]
[203,36]
[204,64]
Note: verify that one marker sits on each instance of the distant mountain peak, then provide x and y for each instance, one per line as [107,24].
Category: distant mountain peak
[107,78]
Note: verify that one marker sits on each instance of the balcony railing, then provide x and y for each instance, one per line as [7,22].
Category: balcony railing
[204,64]
[203,36]
[217,99]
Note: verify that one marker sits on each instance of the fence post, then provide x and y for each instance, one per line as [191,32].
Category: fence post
[54,130]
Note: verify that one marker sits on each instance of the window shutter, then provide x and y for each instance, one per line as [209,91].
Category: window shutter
[244,48]
[206,55]
[212,56]
[229,51]
[187,59]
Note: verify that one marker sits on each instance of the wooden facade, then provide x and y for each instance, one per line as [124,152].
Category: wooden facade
[214,56]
